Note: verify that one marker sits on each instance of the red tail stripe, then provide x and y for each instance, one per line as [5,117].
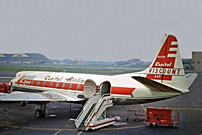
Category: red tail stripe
[172,52]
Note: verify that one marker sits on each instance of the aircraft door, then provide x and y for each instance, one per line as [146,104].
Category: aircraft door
[105,88]
[89,88]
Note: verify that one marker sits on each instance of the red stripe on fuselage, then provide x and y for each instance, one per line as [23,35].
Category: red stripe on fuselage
[81,87]
[35,83]
[47,84]
[74,86]
[60,85]
[159,77]
[122,90]
[50,84]
[41,83]
[66,86]
[54,84]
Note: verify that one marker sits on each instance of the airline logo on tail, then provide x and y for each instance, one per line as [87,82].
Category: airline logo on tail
[163,67]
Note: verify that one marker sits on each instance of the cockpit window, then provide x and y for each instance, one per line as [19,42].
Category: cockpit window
[29,77]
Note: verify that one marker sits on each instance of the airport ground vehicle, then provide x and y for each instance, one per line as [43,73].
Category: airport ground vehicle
[161,116]
[4,88]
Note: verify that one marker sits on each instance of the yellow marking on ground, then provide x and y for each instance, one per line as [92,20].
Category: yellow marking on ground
[4,125]
[57,132]
[80,133]
[143,107]
[48,129]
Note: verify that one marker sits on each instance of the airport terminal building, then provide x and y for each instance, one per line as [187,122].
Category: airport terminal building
[195,63]
[197,60]
[24,58]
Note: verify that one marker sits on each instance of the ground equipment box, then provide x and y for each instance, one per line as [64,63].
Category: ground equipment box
[161,116]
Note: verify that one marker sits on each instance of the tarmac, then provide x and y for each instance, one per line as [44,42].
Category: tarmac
[16,119]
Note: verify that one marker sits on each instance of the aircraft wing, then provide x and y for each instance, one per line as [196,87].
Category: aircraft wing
[40,97]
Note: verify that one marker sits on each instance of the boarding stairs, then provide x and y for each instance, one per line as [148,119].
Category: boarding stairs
[93,115]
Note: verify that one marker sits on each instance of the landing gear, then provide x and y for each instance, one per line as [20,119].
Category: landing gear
[154,124]
[171,125]
[23,103]
[40,113]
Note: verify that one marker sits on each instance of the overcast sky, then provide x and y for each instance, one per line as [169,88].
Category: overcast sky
[100,30]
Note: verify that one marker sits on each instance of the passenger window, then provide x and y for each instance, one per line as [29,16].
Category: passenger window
[57,84]
[50,84]
[63,85]
[70,86]
[44,83]
[38,83]
[78,87]
[32,82]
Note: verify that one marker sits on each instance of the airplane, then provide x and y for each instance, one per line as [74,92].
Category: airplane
[164,78]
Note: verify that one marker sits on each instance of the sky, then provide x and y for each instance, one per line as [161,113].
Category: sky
[99,30]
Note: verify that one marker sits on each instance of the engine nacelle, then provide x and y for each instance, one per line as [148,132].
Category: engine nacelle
[4,88]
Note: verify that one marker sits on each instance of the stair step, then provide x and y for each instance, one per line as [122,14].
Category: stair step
[82,123]
[83,128]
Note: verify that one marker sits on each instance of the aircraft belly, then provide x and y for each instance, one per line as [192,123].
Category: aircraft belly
[120,101]
[142,98]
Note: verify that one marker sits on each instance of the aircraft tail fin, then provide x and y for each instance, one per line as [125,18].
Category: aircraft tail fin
[167,67]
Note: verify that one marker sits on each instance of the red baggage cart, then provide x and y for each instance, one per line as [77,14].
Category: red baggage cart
[161,116]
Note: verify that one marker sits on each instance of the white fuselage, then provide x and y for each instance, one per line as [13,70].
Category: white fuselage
[121,87]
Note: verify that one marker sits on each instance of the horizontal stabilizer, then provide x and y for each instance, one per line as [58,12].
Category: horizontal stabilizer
[155,86]
[190,78]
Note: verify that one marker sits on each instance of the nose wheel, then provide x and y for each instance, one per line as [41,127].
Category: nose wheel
[40,113]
